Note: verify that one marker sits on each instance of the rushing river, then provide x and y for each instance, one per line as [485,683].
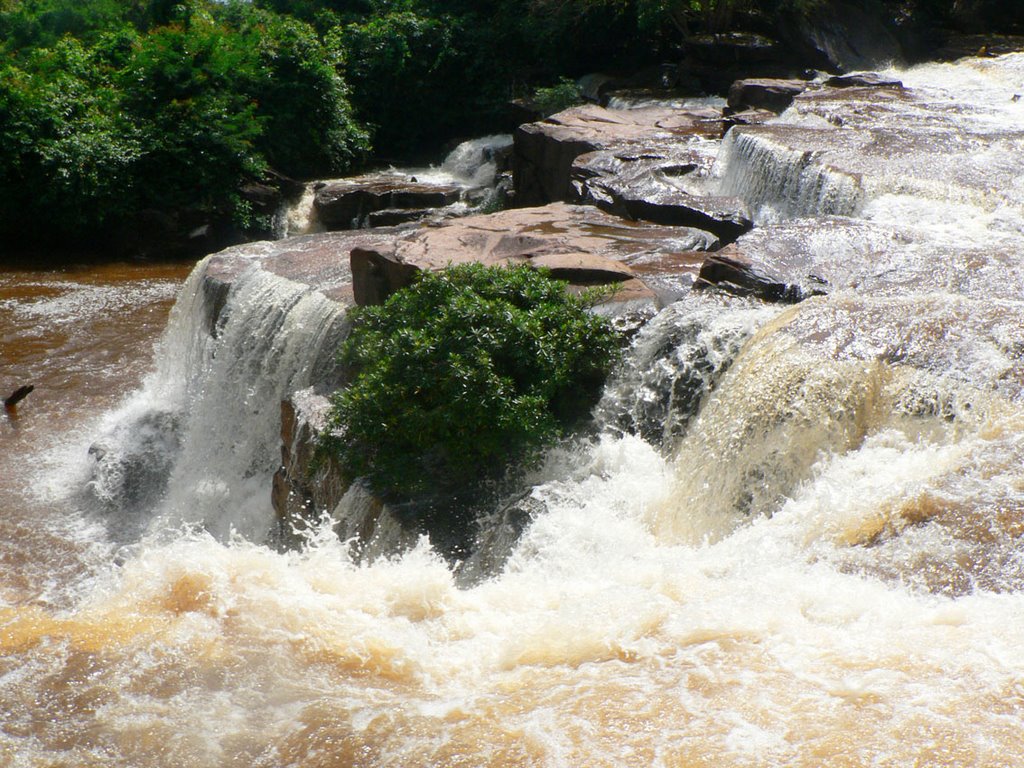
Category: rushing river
[815,560]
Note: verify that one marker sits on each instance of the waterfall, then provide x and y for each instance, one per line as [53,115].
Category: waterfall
[782,182]
[298,217]
[474,162]
[673,364]
[794,538]
[200,442]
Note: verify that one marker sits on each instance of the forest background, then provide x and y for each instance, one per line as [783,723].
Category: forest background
[124,115]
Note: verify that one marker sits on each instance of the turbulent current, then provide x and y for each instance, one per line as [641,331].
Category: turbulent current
[796,539]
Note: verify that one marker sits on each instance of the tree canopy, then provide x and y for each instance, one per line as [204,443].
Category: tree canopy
[112,111]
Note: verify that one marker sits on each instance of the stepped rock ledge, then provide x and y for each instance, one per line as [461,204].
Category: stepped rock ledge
[653,201]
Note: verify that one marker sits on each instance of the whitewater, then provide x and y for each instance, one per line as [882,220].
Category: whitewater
[795,539]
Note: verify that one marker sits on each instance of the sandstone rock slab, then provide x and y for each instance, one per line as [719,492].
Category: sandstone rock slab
[577,243]
[544,151]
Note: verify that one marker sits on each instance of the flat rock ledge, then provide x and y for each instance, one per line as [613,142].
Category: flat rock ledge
[660,183]
[648,265]
[544,151]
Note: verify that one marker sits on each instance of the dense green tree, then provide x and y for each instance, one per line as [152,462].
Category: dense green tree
[463,372]
[66,149]
[109,112]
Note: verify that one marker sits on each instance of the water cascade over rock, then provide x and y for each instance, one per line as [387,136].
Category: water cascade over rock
[470,176]
[793,537]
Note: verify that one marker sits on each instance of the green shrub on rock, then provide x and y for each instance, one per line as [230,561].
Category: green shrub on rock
[461,374]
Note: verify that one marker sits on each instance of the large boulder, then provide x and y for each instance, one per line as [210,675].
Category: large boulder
[579,244]
[348,203]
[544,151]
[660,183]
[764,93]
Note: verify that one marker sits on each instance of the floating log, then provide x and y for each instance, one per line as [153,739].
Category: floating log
[18,395]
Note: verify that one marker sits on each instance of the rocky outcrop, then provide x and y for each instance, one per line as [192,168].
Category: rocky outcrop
[838,36]
[349,203]
[764,93]
[579,244]
[660,184]
[544,151]
[729,271]
[308,484]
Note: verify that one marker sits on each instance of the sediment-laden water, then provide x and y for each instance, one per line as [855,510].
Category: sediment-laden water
[815,560]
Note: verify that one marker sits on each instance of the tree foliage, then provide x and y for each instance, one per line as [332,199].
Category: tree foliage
[464,371]
[111,109]
[114,109]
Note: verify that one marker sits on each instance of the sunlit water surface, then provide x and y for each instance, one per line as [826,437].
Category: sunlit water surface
[826,571]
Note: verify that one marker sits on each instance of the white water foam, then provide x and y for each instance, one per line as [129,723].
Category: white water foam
[862,606]
[202,436]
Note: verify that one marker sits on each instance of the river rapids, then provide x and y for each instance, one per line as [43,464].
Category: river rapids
[795,541]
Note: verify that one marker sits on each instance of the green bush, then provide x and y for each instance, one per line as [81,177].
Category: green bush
[549,101]
[113,111]
[463,373]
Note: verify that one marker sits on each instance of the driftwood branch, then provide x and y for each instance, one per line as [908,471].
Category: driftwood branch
[18,395]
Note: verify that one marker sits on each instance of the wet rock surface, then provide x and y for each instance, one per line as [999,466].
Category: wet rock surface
[307,485]
[729,271]
[544,151]
[320,261]
[838,254]
[867,142]
[129,471]
[348,203]
[660,183]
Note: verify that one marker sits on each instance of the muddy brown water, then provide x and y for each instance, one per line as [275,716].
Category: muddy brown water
[83,336]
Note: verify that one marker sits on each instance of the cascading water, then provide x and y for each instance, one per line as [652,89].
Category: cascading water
[676,360]
[200,442]
[472,165]
[819,564]
[781,182]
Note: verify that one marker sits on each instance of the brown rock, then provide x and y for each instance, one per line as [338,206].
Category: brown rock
[579,244]
[346,204]
[544,151]
[764,93]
